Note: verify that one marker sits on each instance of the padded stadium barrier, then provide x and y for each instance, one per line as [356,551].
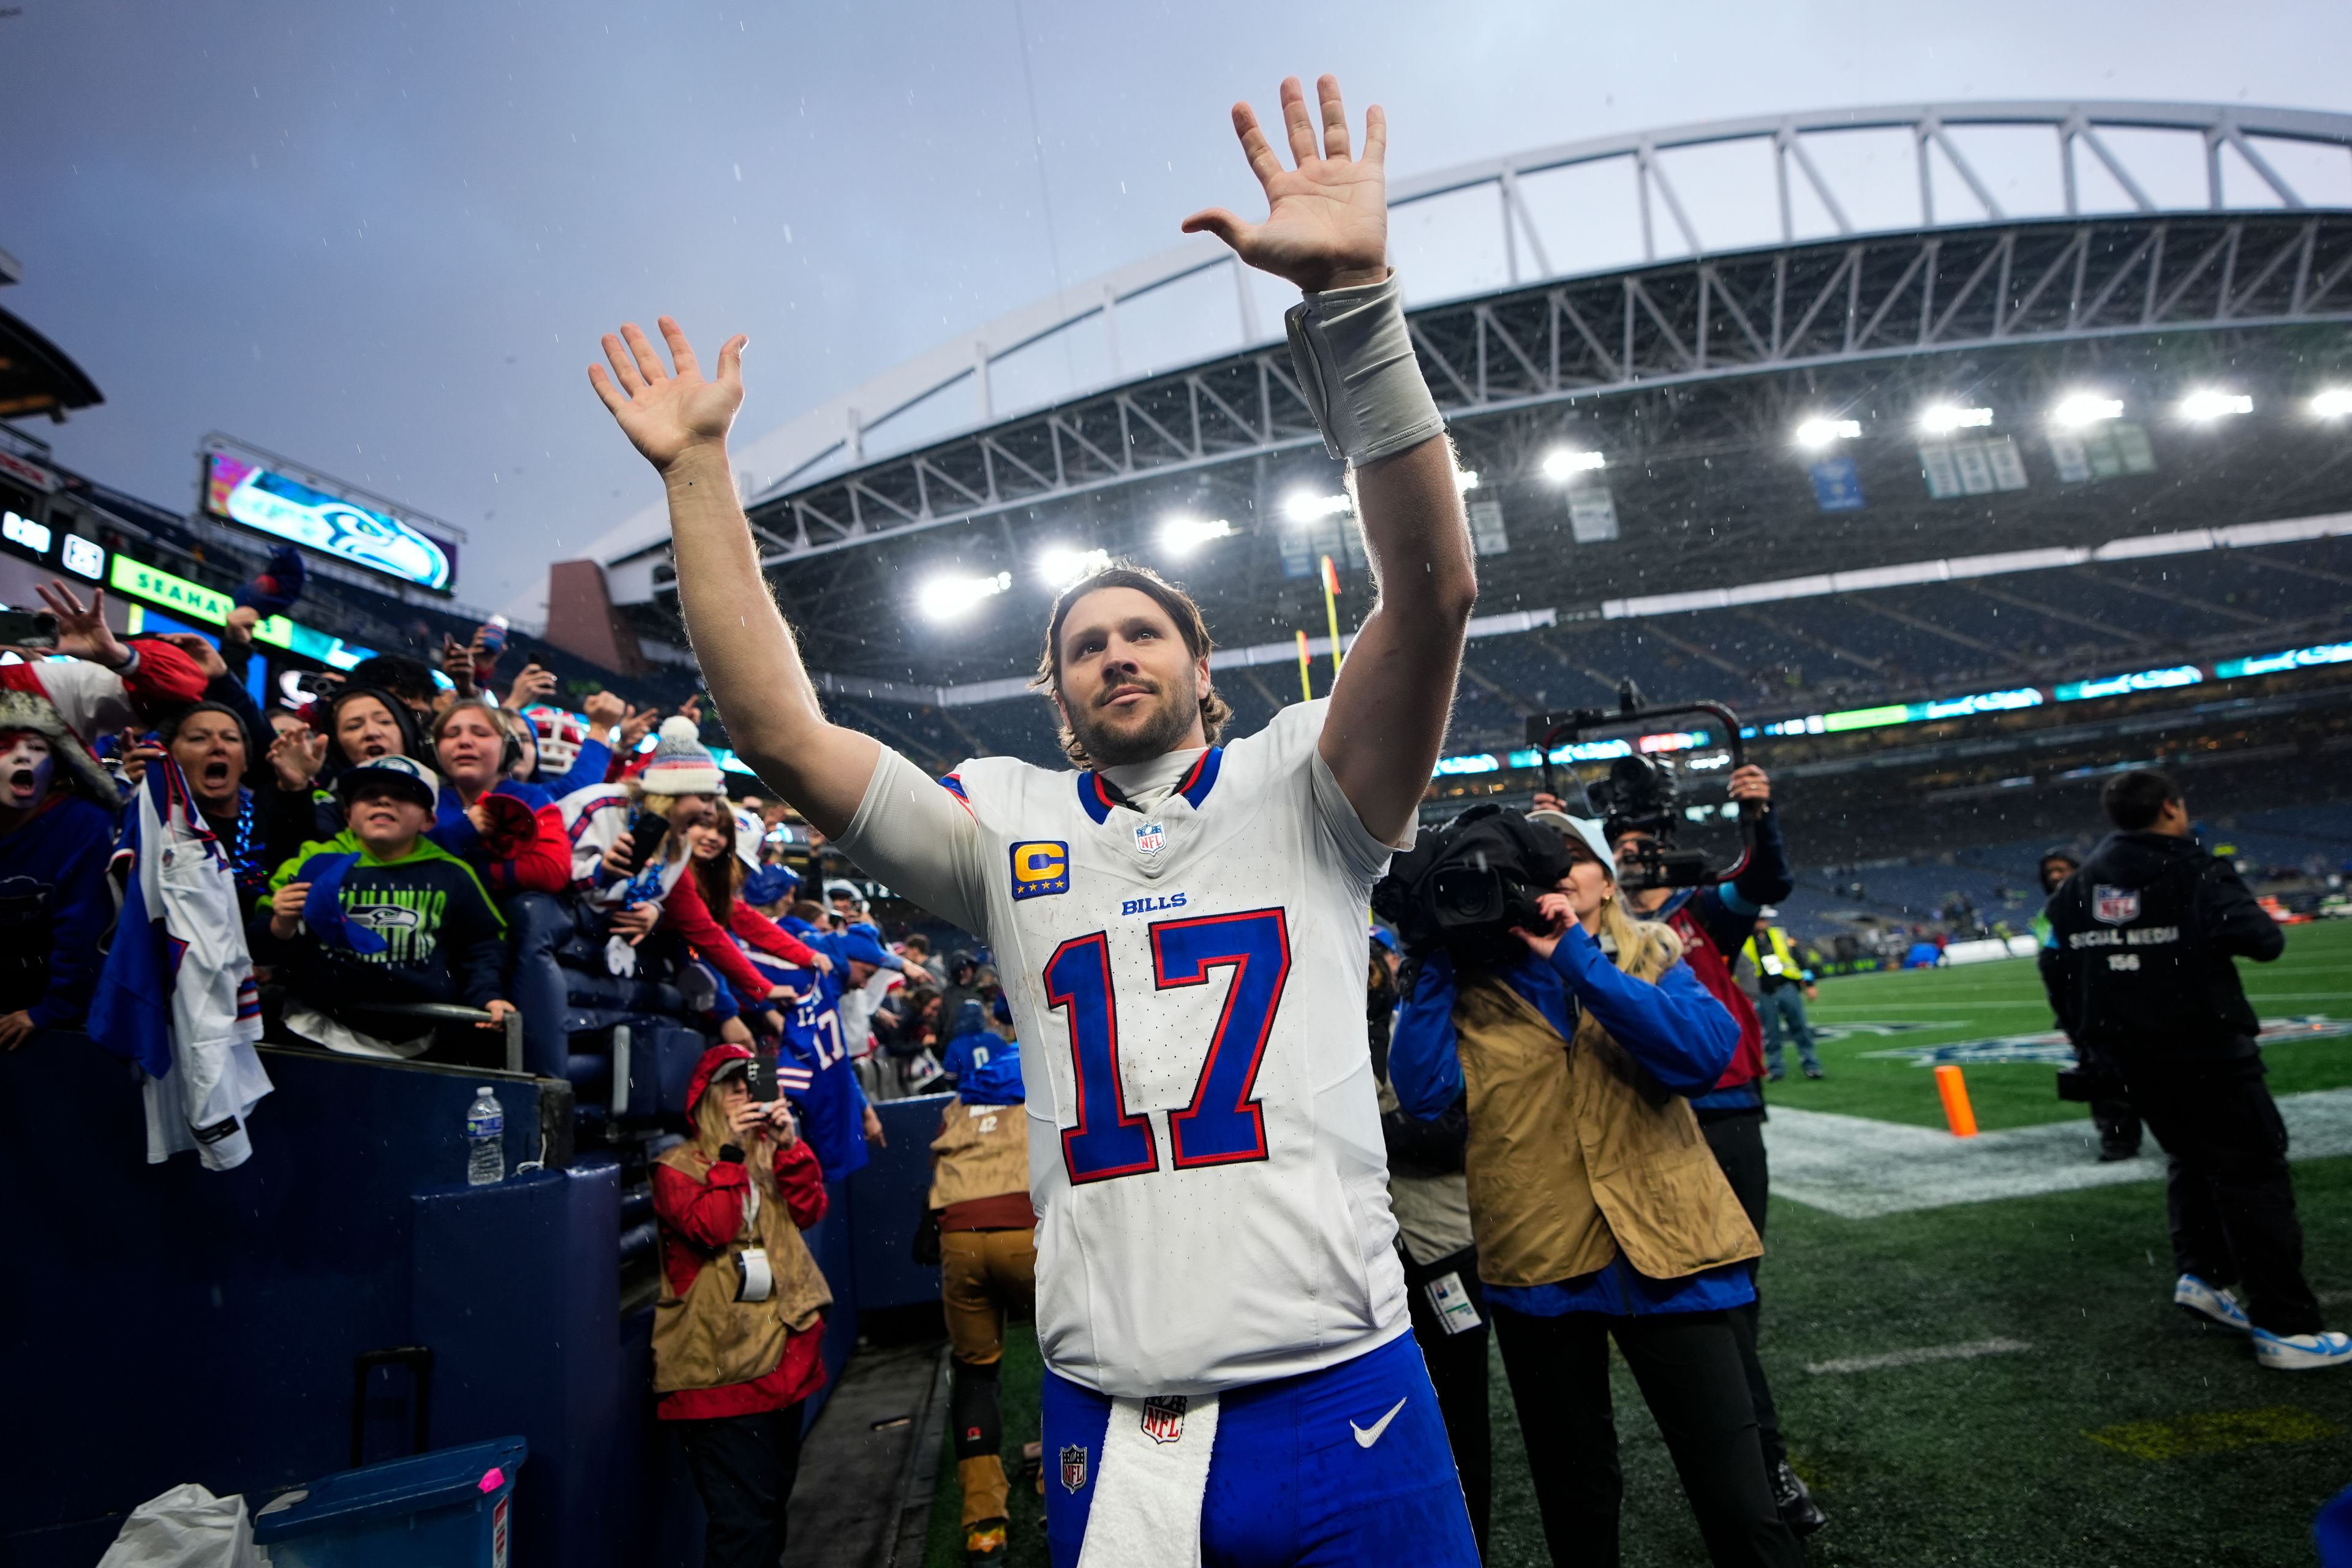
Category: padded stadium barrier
[208,1322]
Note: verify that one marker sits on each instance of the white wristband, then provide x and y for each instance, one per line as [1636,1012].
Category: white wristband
[1355,363]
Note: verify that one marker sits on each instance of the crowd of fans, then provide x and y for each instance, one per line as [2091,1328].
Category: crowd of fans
[410,838]
[438,864]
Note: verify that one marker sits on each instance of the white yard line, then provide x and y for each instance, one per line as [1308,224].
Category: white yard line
[1913,1357]
[1859,1168]
[1849,1012]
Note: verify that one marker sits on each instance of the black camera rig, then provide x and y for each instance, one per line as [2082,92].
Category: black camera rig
[1640,793]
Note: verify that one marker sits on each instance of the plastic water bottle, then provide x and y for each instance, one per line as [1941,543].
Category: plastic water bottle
[486,1140]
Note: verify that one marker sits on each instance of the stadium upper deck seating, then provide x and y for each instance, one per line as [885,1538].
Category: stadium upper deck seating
[1797,656]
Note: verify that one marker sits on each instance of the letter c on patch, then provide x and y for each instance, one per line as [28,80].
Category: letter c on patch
[1040,867]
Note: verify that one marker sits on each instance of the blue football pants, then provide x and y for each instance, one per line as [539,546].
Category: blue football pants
[1291,1483]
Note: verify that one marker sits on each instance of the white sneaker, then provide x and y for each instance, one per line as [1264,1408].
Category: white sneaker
[2302,1352]
[2207,1300]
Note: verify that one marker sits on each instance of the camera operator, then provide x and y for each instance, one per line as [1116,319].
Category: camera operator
[2094,1078]
[1713,921]
[1572,1034]
[2146,933]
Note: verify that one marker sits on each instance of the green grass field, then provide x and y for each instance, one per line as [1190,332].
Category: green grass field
[2124,1436]
[1985,1001]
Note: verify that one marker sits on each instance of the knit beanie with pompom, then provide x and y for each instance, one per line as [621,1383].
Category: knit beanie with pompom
[681,763]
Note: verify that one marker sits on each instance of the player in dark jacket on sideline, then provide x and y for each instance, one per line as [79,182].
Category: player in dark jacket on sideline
[2147,933]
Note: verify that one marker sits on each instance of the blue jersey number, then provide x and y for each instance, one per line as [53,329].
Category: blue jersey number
[823,1029]
[1223,1125]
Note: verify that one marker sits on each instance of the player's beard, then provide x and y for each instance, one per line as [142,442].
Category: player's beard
[1160,732]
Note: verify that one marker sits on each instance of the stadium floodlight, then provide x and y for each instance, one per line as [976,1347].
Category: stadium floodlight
[952,598]
[2206,404]
[1305,507]
[2333,403]
[1560,464]
[1945,417]
[1061,566]
[2086,408]
[1465,479]
[1181,534]
[1821,432]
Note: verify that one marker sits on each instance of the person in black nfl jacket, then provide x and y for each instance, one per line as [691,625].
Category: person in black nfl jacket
[2145,935]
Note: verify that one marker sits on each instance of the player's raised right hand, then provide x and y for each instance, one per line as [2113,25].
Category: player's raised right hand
[667,414]
[1326,223]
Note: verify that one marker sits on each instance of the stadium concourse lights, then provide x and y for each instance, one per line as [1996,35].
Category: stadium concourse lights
[952,598]
[1945,417]
[1821,432]
[1181,534]
[1060,565]
[2206,404]
[1560,464]
[2086,408]
[1303,505]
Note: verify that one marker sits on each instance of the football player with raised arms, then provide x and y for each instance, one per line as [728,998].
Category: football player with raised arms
[1179,928]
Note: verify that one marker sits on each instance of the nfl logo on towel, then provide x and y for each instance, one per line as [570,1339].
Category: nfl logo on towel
[1150,838]
[2115,906]
[1073,1468]
[1163,1417]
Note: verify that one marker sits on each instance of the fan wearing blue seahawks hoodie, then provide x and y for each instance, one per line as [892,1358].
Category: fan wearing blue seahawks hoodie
[379,913]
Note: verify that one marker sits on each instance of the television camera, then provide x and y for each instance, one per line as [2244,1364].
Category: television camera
[1641,792]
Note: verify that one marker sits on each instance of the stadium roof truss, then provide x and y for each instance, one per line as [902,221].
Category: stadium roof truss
[1969,273]
[1867,299]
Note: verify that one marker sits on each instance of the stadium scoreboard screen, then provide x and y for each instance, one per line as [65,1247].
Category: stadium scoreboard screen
[245,489]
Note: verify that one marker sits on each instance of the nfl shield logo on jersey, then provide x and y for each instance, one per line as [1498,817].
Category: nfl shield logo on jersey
[1163,1417]
[1073,1468]
[1150,838]
[2115,906]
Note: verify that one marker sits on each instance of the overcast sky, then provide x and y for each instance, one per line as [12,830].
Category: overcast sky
[382,237]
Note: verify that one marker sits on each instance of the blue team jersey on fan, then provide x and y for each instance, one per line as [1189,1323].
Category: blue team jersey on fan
[831,1107]
[815,1071]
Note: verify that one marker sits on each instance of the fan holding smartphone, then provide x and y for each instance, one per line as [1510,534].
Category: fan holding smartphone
[630,854]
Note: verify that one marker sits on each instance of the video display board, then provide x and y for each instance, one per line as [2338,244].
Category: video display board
[252,495]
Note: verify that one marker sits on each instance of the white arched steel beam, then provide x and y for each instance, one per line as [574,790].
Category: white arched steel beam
[836,434]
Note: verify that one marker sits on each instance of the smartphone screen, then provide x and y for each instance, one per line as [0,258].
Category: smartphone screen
[28,628]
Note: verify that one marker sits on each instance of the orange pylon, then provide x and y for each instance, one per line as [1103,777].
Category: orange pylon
[1955,1091]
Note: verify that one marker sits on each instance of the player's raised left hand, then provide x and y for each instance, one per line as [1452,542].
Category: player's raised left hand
[667,414]
[1326,225]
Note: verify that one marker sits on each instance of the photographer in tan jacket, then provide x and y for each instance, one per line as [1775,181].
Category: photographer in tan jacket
[988,1257]
[739,1329]
[1598,1209]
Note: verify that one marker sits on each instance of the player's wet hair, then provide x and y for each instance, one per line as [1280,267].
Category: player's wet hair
[1190,626]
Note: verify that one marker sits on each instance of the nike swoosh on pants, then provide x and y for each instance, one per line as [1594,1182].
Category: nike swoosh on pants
[1367,1436]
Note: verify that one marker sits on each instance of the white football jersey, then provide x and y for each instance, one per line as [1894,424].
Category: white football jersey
[1188,984]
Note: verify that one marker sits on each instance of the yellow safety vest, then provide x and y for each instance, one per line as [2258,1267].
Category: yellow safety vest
[1781,961]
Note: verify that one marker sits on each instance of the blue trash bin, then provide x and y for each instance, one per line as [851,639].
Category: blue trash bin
[448,1509]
